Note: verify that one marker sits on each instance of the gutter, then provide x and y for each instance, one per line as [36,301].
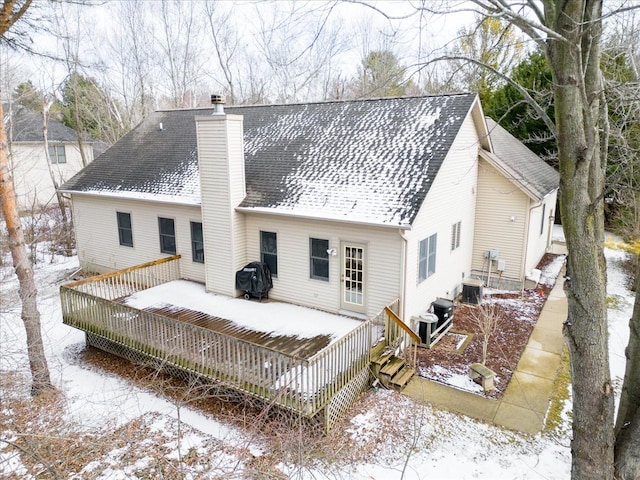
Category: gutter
[122,196]
[265,211]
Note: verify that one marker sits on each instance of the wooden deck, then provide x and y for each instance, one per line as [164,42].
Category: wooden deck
[306,376]
[292,346]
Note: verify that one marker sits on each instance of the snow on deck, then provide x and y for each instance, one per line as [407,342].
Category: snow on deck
[268,317]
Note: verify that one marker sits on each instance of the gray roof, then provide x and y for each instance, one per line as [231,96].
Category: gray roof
[523,167]
[366,160]
[27,127]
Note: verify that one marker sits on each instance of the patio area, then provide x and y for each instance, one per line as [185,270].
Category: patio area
[300,359]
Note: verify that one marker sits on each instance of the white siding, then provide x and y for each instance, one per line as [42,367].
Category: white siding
[502,213]
[451,199]
[99,248]
[293,283]
[538,242]
[221,157]
[31,177]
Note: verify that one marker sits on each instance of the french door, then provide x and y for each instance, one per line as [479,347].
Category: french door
[353,277]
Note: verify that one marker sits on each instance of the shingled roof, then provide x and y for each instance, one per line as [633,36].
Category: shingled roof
[366,160]
[27,127]
[519,164]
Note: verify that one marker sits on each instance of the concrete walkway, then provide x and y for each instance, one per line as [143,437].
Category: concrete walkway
[524,404]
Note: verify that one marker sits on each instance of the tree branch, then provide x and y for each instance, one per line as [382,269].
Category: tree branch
[528,26]
[523,91]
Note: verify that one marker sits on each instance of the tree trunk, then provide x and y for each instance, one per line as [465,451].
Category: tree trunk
[45,120]
[578,85]
[24,272]
[627,449]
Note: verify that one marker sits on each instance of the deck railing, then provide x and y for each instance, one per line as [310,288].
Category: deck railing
[130,280]
[394,335]
[304,386]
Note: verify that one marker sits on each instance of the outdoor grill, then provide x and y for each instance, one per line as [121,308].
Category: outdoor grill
[254,280]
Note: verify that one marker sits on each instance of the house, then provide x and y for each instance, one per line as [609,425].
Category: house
[351,203]
[366,209]
[517,195]
[33,175]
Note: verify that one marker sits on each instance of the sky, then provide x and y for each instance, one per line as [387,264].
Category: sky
[94,32]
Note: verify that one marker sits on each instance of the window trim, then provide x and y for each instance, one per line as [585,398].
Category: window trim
[122,228]
[54,155]
[161,235]
[429,258]
[456,229]
[273,254]
[194,243]
[324,258]
[544,209]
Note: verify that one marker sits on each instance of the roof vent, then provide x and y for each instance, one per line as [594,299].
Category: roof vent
[160,126]
[218,104]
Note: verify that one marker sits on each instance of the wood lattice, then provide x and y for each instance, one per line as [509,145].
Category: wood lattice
[345,398]
[340,403]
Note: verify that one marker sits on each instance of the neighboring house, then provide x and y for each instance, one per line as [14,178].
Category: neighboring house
[33,178]
[517,195]
[353,204]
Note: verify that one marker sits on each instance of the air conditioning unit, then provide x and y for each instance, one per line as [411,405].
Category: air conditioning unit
[433,326]
[472,291]
[427,325]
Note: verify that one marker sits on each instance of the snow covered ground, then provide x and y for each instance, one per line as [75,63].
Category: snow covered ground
[388,436]
[275,318]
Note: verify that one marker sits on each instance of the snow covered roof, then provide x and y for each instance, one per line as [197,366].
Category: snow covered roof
[519,164]
[27,126]
[371,160]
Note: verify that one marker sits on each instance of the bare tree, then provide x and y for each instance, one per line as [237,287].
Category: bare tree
[68,30]
[492,42]
[296,65]
[46,106]
[180,50]
[487,317]
[131,56]
[11,12]
[227,43]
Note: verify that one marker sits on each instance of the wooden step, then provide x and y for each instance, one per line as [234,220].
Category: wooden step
[379,349]
[392,366]
[383,358]
[400,379]
[379,362]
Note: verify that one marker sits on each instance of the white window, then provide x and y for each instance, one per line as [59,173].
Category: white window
[319,258]
[455,235]
[167,229]
[57,154]
[197,242]
[544,207]
[269,251]
[125,232]
[427,257]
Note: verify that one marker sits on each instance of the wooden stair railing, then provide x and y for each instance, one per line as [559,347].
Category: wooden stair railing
[402,325]
[392,371]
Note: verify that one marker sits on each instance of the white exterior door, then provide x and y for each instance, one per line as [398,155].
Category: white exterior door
[353,277]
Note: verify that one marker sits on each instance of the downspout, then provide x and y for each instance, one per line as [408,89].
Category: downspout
[403,287]
[526,244]
[550,227]
[403,281]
